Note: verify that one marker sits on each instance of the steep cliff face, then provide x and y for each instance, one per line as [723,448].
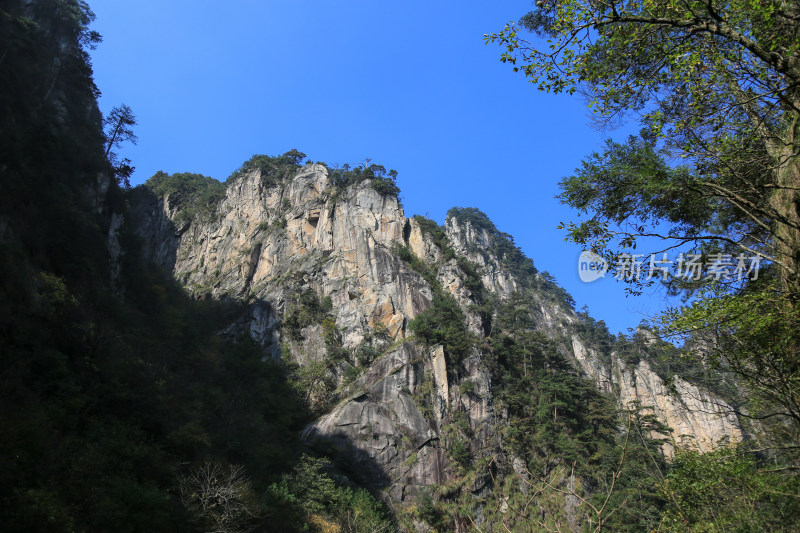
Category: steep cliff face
[697,418]
[264,242]
[385,399]
[268,244]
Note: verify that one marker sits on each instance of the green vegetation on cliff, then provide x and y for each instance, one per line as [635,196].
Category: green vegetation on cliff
[123,409]
[192,194]
[382,181]
[273,170]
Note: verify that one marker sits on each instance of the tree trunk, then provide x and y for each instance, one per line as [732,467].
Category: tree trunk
[786,201]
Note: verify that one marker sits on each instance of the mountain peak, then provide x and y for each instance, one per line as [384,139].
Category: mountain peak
[391,312]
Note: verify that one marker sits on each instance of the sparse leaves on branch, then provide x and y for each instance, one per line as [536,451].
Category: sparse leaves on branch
[219,497]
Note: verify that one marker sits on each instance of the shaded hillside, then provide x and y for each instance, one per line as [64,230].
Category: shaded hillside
[115,384]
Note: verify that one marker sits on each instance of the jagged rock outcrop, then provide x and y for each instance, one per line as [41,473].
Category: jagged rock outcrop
[382,427]
[474,243]
[267,242]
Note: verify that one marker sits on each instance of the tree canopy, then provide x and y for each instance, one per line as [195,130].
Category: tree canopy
[715,86]
[713,174]
[118,126]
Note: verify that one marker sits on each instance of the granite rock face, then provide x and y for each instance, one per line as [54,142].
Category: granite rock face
[265,243]
[698,419]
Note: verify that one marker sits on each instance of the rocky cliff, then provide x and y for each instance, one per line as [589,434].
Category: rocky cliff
[335,272]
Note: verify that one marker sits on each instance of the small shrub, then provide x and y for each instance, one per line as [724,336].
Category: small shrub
[458,451]
[333,340]
[326,305]
[279,223]
[366,354]
[306,311]
[466,387]
[428,510]
[351,374]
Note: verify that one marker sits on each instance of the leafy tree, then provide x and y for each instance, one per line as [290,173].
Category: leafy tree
[715,170]
[728,490]
[273,169]
[294,156]
[118,130]
[309,494]
[716,83]
[383,182]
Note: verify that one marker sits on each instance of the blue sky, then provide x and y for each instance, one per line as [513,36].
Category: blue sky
[411,85]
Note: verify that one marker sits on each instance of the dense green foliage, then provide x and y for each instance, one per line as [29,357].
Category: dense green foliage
[382,181]
[106,399]
[273,170]
[730,490]
[560,425]
[192,194]
[309,494]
